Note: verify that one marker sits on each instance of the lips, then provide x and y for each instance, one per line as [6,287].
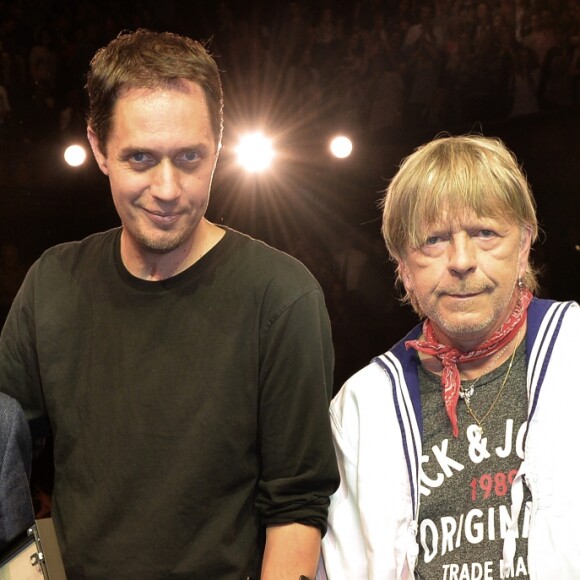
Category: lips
[464,292]
[161,218]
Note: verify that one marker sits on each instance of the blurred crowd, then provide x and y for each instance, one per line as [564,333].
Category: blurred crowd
[377,63]
[45,48]
[397,64]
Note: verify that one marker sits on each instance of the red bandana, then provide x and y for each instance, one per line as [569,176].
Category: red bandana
[450,357]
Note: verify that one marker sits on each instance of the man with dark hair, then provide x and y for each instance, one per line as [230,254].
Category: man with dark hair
[185,368]
[456,447]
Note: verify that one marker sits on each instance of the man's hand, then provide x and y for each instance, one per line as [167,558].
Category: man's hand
[292,551]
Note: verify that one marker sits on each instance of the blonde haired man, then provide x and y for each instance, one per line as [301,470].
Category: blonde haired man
[456,446]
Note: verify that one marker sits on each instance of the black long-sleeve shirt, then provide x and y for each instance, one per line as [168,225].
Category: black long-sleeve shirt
[187,414]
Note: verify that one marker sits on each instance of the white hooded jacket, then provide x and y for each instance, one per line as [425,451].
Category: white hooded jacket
[377,425]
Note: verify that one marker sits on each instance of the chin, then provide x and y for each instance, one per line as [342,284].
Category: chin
[464,325]
[160,245]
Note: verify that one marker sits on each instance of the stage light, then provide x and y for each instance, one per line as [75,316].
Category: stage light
[341,146]
[75,155]
[255,152]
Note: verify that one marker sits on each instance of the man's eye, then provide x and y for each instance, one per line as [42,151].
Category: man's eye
[190,156]
[431,240]
[140,157]
[487,233]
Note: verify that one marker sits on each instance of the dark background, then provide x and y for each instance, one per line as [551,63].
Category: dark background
[318,208]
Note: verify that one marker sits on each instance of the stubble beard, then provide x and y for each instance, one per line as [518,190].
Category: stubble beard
[465,327]
[163,244]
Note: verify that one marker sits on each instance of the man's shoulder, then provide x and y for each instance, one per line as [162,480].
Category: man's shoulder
[69,255]
[366,407]
[264,261]
[71,259]
[374,382]
[544,315]
[92,242]
[368,384]
[257,247]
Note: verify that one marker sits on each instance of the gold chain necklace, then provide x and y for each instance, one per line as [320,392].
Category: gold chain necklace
[466,395]
[467,392]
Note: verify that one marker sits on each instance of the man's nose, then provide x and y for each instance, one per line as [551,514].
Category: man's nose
[462,254]
[165,181]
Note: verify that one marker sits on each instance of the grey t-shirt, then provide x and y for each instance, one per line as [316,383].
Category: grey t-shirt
[466,481]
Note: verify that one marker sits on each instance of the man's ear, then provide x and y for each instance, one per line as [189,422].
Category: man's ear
[524,254]
[404,274]
[100,157]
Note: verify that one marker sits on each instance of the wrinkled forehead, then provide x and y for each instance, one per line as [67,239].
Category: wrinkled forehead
[449,220]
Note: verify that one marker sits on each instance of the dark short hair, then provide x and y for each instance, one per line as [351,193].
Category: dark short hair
[147,59]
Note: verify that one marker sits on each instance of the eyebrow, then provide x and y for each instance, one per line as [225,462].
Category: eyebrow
[132,149]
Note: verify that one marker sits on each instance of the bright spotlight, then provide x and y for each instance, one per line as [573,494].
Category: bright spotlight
[75,155]
[255,152]
[341,147]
